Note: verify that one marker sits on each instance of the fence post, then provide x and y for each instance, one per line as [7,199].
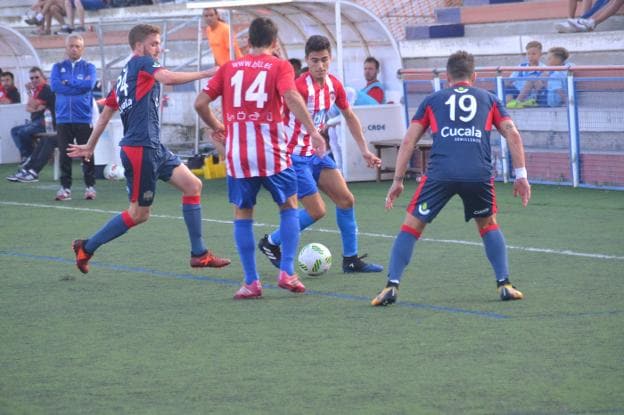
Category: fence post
[573,126]
[500,93]
[437,85]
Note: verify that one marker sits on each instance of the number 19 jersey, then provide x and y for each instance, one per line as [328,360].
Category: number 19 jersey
[252,88]
[461,119]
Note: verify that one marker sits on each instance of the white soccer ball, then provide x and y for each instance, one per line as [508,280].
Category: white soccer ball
[314,259]
[113,171]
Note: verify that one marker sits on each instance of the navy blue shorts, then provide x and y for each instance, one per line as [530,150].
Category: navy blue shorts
[308,170]
[242,192]
[432,195]
[143,167]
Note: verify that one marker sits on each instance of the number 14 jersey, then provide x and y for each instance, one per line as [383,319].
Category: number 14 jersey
[461,119]
[252,88]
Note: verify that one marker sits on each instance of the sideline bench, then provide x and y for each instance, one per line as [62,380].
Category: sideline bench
[423,147]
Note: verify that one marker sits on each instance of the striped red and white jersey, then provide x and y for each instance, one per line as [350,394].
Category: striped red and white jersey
[252,88]
[319,100]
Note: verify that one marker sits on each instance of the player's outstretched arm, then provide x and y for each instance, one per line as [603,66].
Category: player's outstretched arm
[297,106]
[168,77]
[356,132]
[521,185]
[86,150]
[202,106]
[412,135]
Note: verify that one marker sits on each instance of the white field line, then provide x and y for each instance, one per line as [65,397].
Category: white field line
[316,229]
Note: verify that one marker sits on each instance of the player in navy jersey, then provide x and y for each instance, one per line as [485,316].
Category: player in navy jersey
[461,119]
[321,90]
[145,158]
[252,89]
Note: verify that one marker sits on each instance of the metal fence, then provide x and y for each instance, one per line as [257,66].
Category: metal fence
[579,143]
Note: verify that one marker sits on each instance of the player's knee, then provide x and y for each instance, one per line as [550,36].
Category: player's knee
[317,213]
[139,215]
[194,188]
[346,202]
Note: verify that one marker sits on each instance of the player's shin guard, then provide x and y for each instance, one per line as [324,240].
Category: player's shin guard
[345,219]
[305,220]
[289,228]
[114,228]
[401,253]
[496,250]
[244,238]
[191,210]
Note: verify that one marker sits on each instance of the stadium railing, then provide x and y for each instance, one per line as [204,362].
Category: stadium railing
[580,143]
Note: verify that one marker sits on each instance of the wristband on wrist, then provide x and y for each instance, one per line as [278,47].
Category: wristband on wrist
[520,173]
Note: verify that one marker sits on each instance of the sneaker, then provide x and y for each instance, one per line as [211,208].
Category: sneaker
[13,177]
[65,30]
[386,297]
[355,264]
[515,104]
[249,291]
[208,259]
[90,193]
[565,27]
[273,252]
[507,292]
[531,102]
[82,256]
[63,194]
[582,25]
[290,282]
[27,176]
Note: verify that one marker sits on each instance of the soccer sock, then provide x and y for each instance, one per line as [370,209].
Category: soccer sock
[191,210]
[289,227]
[345,219]
[305,220]
[244,238]
[114,228]
[496,250]
[401,253]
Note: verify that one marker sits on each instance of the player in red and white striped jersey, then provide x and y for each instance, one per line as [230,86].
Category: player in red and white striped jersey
[321,90]
[252,89]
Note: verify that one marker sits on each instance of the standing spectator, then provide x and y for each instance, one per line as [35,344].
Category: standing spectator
[373,93]
[588,22]
[460,163]
[555,87]
[8,92]
[257,155]
[218,34]
[73,80]
[73,7]
[145,159]
[318,172]
[526,85]
[40,98]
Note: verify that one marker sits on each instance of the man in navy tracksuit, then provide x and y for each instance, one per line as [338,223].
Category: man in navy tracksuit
[73,80]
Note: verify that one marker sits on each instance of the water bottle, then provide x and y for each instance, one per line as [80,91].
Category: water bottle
[49,128]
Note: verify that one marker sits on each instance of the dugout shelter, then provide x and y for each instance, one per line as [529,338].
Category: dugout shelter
[355,33]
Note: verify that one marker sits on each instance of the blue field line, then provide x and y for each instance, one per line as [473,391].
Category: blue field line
[224,281]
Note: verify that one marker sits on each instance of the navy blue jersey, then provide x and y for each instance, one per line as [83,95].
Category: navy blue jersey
[136,95]
[461,119]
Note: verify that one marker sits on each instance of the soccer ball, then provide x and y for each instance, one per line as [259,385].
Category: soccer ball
[314,259]
[114,171]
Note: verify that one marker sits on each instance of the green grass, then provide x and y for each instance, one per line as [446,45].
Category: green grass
[143,333]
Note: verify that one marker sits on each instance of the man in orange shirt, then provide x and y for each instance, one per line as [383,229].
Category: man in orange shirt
[218,34]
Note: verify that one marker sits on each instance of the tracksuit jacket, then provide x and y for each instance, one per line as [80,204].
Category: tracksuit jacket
[73,85]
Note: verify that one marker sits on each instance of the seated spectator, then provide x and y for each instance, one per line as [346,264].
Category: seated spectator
[8,92]
[373,93]
[555,87]
[73,7]
[46,10]
[526,88]
[29,171]
[588,22]
[40,99]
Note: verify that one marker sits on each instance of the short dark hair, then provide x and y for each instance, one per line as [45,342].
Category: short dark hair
[317,43]
[296,63]
[460,65]
[262,32]
[560,52]
[9,74]
[373,60]
[140,32]
[37,69]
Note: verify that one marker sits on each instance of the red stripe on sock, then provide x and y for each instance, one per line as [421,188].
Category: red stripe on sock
[488,229]
[411,231]
[125,216]
[191,200]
